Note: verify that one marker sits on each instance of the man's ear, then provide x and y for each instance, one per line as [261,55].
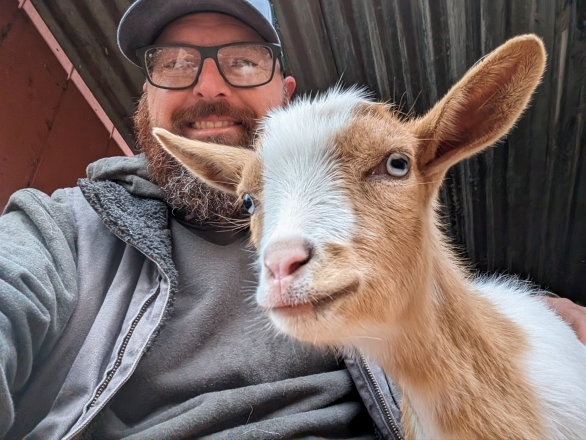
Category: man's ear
[217,165]
[482,107]
[290,83]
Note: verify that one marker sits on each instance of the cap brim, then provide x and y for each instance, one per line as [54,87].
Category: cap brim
[144,20]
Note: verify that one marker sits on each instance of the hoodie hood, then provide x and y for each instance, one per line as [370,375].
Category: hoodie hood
[129,172]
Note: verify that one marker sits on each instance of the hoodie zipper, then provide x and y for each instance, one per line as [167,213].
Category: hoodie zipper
[122,349]
[381,399]
[117,364]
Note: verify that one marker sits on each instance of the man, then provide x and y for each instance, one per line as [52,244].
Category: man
[126,301]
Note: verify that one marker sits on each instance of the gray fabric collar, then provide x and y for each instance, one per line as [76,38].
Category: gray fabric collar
[141,222]
[129,172]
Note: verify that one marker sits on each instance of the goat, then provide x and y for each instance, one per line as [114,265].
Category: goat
[343,198]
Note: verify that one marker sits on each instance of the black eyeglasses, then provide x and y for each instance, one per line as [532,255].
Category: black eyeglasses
[178,66]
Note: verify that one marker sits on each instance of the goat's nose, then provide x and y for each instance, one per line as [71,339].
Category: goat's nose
[283,259]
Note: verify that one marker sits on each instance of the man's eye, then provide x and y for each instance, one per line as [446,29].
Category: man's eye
[241,62]
[169,65]
[180,64]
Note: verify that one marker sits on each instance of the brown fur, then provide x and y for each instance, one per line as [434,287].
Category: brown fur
[408,303]
[465,352]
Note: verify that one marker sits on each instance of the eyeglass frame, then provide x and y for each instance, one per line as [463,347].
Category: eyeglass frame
[211,52]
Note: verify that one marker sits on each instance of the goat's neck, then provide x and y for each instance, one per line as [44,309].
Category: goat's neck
[442,307]
[448,324]
[443,324]
[450,348]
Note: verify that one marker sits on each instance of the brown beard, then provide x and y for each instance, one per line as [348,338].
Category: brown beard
[183,191]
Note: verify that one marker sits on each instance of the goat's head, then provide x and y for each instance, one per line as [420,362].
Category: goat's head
[341,192]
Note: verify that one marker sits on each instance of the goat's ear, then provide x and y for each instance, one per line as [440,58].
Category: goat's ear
[482,107]
[217,165]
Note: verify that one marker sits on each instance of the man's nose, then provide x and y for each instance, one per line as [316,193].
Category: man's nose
[210,84]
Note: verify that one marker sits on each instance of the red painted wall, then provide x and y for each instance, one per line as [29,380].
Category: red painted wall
[48,131]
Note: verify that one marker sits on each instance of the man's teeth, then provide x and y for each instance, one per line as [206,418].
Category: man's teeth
[198,125]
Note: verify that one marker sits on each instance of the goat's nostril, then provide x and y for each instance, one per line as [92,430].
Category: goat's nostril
[296,265]
[285,262]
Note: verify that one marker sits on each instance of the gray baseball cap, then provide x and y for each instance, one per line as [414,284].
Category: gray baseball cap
[145,19]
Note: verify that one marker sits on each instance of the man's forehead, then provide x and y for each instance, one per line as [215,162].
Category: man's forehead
[213,23]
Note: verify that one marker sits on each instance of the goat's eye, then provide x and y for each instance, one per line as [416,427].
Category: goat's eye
[398,165]
[248,203]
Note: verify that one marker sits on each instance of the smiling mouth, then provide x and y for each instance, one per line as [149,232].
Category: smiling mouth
[203,125]
[316,304]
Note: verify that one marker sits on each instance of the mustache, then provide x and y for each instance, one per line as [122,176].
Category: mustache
[181,117]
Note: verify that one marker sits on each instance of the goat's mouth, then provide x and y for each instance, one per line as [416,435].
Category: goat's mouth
[314,302]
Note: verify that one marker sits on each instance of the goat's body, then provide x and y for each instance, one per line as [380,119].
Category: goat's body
[555,361]
[519,377]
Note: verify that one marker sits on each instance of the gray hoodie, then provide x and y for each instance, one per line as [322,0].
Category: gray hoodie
[105,244]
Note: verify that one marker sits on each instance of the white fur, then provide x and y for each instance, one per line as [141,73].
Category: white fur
[424,426]
[556,362]
[300,183]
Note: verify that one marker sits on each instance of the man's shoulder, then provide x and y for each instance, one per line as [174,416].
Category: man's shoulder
[111,168]
[31,199]
[131,173]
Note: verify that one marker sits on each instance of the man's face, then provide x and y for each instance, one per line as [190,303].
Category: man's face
[210,111]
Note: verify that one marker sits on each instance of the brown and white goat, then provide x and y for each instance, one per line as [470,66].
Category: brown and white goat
[343,196]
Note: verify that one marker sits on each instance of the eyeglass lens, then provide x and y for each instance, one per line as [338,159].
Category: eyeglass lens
[178,66]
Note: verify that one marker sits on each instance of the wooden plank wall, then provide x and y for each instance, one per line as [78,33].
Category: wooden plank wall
[48,131]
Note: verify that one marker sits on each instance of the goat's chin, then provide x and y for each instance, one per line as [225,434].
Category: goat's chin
[326,320]
[307,326]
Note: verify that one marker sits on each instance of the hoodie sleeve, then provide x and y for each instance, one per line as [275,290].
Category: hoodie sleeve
[38,288]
